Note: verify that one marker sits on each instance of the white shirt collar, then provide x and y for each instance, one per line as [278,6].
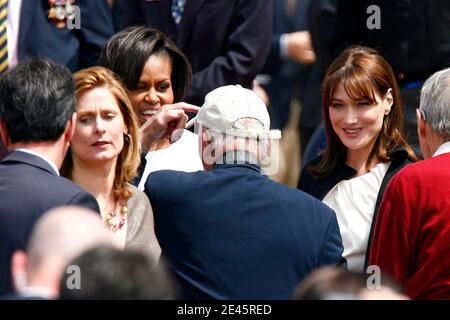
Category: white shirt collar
[37,292]
[50,162]
[443,148]
[14,11]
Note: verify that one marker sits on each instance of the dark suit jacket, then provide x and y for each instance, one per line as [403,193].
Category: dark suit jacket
[76,49]
[288,78]
[28,188]
[226,41]
[232,233]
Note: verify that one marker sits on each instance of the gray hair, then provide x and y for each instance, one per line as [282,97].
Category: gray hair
[435,102]
[222,143]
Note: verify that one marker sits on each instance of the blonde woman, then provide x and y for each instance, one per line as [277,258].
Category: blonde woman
[104,157]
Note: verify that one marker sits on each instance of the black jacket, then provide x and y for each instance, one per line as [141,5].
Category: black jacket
[414,36]
[29,187]
[319,187]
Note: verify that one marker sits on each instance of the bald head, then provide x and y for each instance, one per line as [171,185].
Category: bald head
[63,233]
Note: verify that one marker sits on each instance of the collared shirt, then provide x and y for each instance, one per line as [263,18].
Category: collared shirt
[14,8]
[50,162]
[443,148]
[41,292]
[354,202]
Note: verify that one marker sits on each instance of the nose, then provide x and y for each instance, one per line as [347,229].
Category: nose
[152,97]
[350,116]
[99,125]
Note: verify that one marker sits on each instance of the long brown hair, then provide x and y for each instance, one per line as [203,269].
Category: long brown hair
[363,72]
[128,160]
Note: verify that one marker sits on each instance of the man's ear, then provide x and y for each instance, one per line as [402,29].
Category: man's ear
[70,127]
[421,125]
[19,265]
[206,152]
[4,136]
[389,101]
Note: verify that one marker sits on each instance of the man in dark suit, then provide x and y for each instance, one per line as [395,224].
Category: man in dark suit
[226,41]
[37,121]
[230,232]
[33,32]
[75,48]
[288,60]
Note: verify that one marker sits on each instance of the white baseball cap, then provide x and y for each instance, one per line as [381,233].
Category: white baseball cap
[226,105]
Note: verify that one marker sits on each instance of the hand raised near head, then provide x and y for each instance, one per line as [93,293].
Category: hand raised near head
[163,124]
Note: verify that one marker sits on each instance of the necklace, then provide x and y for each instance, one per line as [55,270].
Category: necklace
[116,221]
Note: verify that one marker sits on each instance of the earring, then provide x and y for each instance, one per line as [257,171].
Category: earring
[127,136]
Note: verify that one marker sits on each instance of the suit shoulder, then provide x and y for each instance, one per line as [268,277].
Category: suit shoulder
[303,200]
[168,178]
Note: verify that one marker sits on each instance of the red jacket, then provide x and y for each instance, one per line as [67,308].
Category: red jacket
[412,235]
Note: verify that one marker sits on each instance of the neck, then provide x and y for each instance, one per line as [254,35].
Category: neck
[358,161]
[96,179]
[52,150]
[433,142]
[44,281]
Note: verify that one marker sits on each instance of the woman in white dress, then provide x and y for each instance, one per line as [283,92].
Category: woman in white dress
[157,74]
[366,146]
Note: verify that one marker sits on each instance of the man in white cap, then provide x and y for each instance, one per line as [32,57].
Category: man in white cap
[230,232]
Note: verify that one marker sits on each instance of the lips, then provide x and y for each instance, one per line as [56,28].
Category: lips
[352,132]
[101,143]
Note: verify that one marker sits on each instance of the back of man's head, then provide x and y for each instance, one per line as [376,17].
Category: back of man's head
[110,273]
[435,102]
[63,233]
[60,235]
[333,283]
[36,100]
[234,119]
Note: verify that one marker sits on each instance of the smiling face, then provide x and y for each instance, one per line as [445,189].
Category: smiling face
[357,122]
[154,88]
[99,129]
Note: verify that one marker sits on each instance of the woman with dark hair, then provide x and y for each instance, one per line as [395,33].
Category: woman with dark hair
[104,156]
[156,74]
[366,145]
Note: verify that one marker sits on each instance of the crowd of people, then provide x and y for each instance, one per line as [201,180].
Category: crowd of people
[105,182]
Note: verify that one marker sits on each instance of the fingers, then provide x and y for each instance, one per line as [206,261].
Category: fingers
[163,124]
[300,47]
[186,107]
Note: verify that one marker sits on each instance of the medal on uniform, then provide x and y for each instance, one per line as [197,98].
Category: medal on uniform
[60,11]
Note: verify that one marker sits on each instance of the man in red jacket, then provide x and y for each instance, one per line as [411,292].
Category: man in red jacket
[412,237]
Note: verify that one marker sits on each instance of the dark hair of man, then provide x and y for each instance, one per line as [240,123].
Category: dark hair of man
[331,283]
[127,52]
[37,99]
[113,274]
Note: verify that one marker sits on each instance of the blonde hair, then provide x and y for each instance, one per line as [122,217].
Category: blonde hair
[129,158]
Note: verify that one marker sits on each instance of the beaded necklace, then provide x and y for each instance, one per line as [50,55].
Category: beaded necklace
[116,221]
